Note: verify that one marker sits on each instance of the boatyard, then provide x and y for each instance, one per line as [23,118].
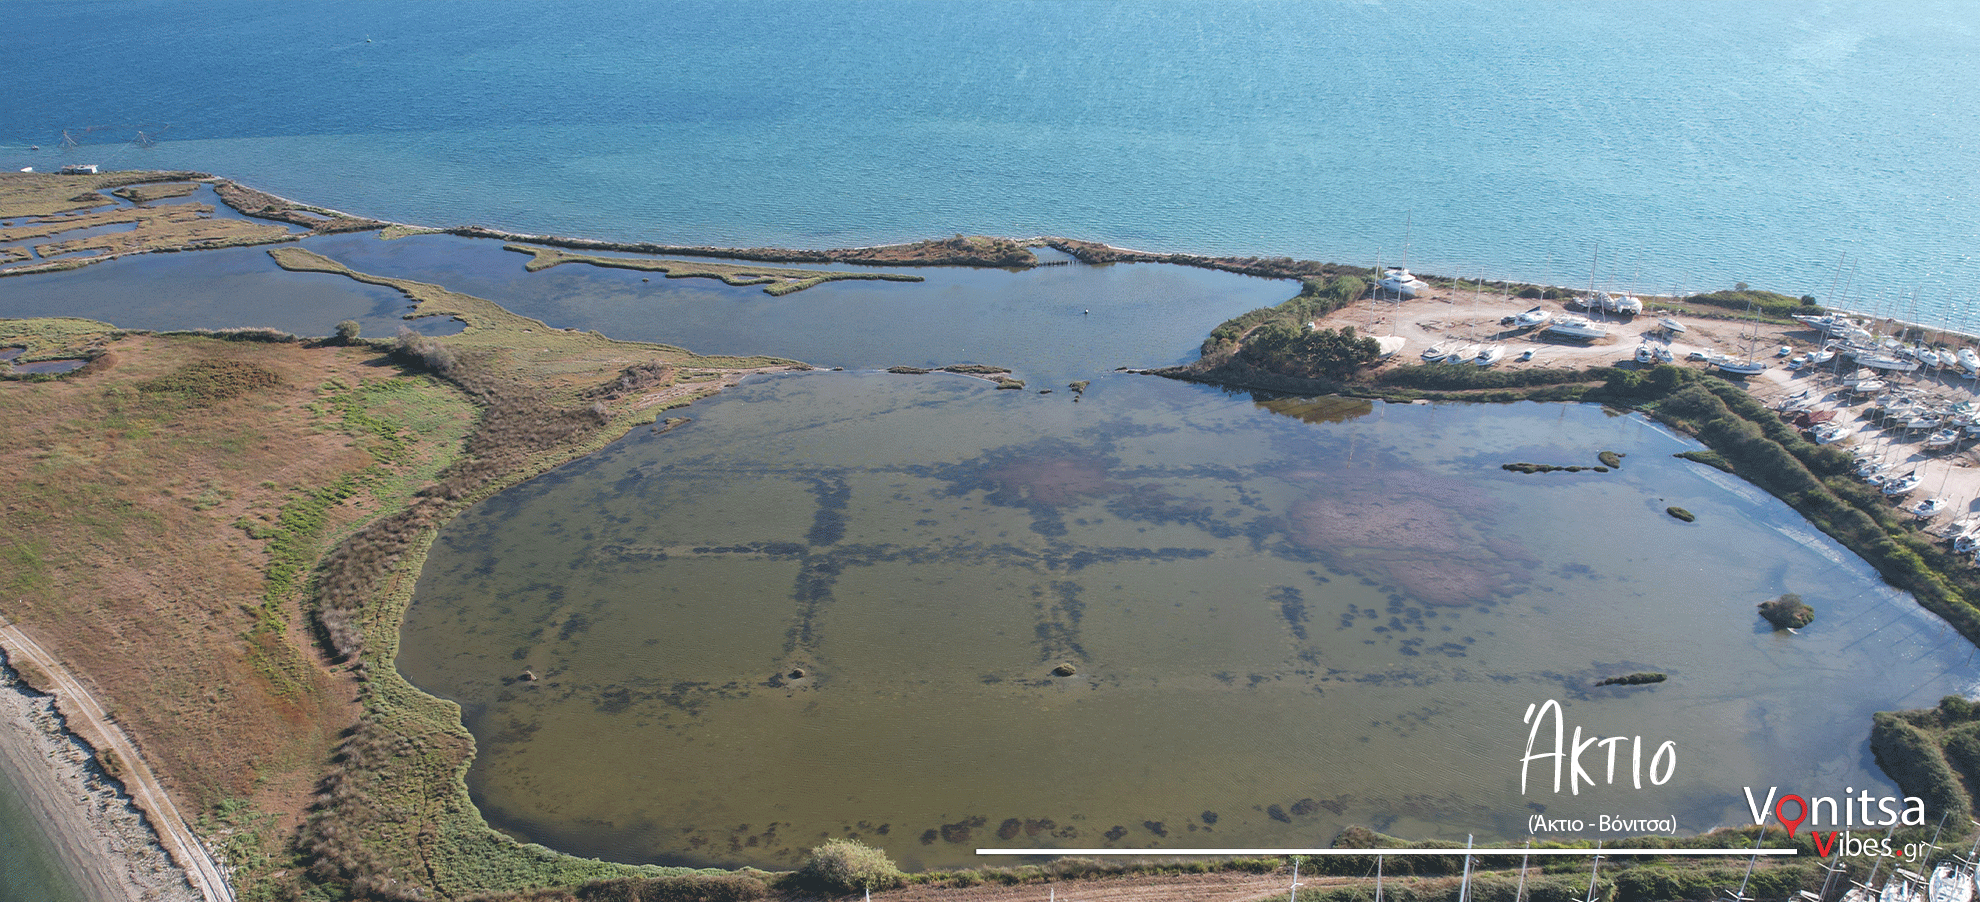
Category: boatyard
[1908,410]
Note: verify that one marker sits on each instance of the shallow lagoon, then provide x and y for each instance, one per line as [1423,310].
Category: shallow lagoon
[1053,323]
[219,289]
[1286,617]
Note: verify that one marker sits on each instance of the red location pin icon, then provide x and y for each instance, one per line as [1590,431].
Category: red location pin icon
[1800,815]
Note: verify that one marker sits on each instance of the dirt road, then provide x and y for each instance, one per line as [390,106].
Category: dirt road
[87,718]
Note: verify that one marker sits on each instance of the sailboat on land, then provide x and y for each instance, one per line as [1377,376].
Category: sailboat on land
[1751,366]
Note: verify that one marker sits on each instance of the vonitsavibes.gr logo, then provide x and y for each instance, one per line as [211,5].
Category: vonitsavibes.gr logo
[1846,811]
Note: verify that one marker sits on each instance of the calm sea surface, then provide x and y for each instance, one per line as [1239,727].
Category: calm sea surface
[29,868]
[927,548]
[1696,144]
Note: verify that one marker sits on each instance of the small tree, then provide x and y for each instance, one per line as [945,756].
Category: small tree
[347,332]
[847,865]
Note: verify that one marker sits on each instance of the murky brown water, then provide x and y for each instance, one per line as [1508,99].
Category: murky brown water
[1284,618]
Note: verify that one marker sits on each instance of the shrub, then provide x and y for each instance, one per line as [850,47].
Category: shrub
[414,349]
[1955,708]
[266,336]
[845,865]
[1317,297]
[347,332]
[1917,764]
[1766,303]
[1787,612]
[685,888]
[1635,679]
[1963,750]
[1296,351]
[1464,378]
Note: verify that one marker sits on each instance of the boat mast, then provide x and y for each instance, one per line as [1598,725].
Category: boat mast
[1741,895]
[1519,895]
[1594,868]
[1464,887]
[1834,867]
[1407,214]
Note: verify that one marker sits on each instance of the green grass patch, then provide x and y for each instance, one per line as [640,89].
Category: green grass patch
[1768,304]
[394,812]
[1708,457]
[205,382]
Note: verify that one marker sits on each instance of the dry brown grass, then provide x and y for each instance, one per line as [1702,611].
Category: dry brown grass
[775,280]
[44,205]
[123,499]
[144,194]
[169,227]
[47,193]
[261,204]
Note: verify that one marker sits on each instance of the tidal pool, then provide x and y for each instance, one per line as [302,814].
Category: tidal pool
[831,605]
[219,289]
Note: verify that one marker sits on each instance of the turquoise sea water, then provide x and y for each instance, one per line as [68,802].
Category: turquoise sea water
[1696,144]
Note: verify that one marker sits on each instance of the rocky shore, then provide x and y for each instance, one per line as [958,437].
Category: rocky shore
[103,842]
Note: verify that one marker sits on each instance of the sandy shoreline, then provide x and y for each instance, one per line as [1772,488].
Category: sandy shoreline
[104,844]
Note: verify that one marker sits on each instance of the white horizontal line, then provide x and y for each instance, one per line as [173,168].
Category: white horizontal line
[1474,852]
